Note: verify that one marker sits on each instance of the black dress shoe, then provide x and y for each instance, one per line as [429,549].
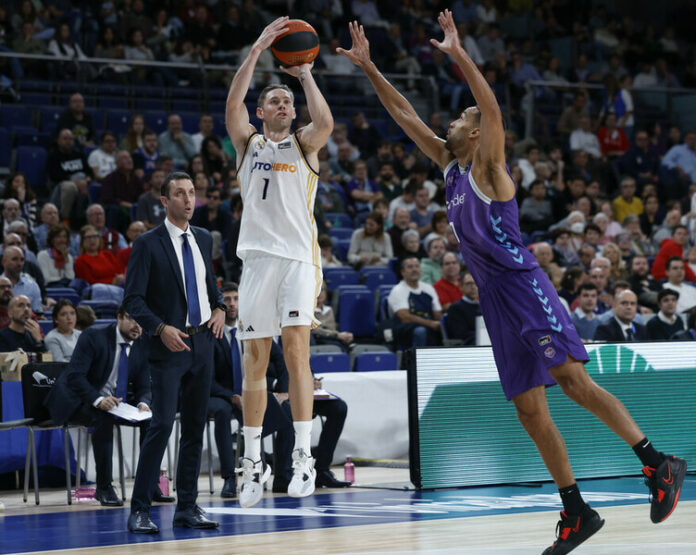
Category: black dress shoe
[229,490]
[108,497]
[139,523]
[160,497]
[326,479]
[194,517]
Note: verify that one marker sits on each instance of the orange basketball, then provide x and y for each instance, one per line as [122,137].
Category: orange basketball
[298,45]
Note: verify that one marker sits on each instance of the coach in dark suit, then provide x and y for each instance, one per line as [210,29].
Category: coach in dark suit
[172,293]
[106,360]
[621,328]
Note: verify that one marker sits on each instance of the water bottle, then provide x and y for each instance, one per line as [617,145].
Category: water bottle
[164,482]
[349,471]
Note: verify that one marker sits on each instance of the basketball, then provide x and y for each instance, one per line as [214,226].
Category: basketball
[298,45]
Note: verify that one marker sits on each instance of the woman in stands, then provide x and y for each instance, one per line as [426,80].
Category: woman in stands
[96,264]
[56,263]
[134,138]
[61,340]
[618,267]
[214,159]
[18,188]
[369,245]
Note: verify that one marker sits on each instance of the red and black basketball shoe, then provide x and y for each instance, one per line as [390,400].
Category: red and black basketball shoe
[572,530]
[665,484]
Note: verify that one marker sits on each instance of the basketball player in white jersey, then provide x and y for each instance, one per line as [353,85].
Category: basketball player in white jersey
[281,277]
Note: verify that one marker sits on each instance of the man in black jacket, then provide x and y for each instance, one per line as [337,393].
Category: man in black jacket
[69,175]
[621,328]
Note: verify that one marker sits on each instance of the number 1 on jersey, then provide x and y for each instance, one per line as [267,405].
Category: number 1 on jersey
[265,188]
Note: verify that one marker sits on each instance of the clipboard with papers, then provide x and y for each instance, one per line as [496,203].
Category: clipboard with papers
[130,413]
[322,394]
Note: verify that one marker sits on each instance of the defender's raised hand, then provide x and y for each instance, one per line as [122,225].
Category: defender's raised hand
[451,41]
[359,54]
[272,32]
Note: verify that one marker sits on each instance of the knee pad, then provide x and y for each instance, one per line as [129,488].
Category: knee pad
[253,384]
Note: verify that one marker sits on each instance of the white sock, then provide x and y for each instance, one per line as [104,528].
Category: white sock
[303,435]
[252,442]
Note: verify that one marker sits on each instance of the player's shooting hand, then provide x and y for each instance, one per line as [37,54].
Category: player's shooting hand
[271,32]
[451,41]
[296,71]
[359,54]
[173,339]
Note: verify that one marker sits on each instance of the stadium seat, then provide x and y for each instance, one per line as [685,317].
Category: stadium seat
[49,118]
[46,326]
[36,99]
[101,322]
[156,120]
[143,104]
[370,362]
[189,121]
[5,148]
[339,233]
[31,161]
[356,311]
[340,248]
[25,137]
[329,348]
[443,326]
[14,114]
[102,308]
[94,191]
[109,102]
[58,293]
[340,276]
[374,276]
[117,121]
[339,219]
[329,362]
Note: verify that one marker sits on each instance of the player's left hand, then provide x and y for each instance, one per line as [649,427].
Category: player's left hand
[359,53]
[451,41]
[296,70]
[217,322]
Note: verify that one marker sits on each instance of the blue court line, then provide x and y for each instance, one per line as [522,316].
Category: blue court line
[107,527]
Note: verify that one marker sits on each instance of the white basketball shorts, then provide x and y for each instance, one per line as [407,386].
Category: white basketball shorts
[276,292]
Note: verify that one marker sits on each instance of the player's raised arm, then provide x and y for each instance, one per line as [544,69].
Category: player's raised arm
[399,108]
[236,114]
[316,134]
[492,141]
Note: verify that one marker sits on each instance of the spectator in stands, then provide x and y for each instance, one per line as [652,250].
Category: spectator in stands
[326,333]
[544,256]
[621,328]
[150,209]
[563,253]
[431,267]
[112,239]
[665,230]
[22,332]
[639,243]
[586,254]
[671,248]
[328,258]
[402,222]
[329,193]
[22,282]
[69,175]
[214,159]
[364,135]
[642,283]
[649,218]
[681,161]
[584,317]
[121,188]
[135,136]
[28,43]
[619,101]
[49,217]
[570,117]
[440,224]
[135,230]
[362,190]
[389,183]
[462,314]
[573,277]
[449,286]
[145,157]
[233,35]
[642,160]
[79,122]
[583,138]
[405,200]
[109,46]
[384,154]
[31,264]
[666,323]
[536,213]
[423,211]
[17,187]
[205,130]
[56,262]
[526,165]
[102,160]
[176,143]
[370,245]
[491,43]
[61,340]
[96,264]
[675,282]
[410,240]
[627,203]
[600,277]
[11,212]
[416,308]
[137,50]
[85,317]
[612,138]
[6,295]
[617,270]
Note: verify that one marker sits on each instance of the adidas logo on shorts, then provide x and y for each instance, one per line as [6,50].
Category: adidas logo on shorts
[250,328]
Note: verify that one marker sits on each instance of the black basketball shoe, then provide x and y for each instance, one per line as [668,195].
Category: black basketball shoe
[665,484]
[572,530]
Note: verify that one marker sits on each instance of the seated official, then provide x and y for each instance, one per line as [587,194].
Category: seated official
[226,403]
[461,316]
[415,307]
[105,362]
[326,333]
[621,328]
[62,339]
[333,410]
[56,263]
[23,332]
[666,322]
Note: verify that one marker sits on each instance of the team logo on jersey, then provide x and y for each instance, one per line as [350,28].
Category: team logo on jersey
[450,179]
[456,201]
[550,352]
[258,145]
[544,340]
[294,314]
[283,146]
[278,167]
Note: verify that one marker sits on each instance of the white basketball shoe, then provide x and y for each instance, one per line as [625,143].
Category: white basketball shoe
[252,477]
[303,474]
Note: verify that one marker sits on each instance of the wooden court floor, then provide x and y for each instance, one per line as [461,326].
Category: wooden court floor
[378,516]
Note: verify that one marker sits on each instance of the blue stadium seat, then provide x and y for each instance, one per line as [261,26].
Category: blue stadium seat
[382,296]
[58,293]
[14,114]
[443,326]
[329,362]
[32,138]
[94,192]
[49,117]
[185,105]
[147,103]
[102,322]
[156,120]
[373,280]
[113,102]
[369,362]
[5,148]
[340,276]
[117,121]
[356,311]
[36,99]
[31,161]
[338,233]
[46,326]
[341,247]
[189,121]
[102,308]
[339,219]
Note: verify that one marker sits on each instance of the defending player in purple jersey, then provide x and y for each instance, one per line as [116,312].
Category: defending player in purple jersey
[534,342]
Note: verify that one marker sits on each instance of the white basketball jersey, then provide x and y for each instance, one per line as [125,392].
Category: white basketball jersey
[278,189]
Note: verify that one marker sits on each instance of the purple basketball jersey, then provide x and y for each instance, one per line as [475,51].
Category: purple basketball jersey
[530,330]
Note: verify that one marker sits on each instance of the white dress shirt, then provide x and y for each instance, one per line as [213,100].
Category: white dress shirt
[111,383]
[175,234]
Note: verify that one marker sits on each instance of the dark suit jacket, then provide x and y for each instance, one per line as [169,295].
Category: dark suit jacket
[223,385]
[155,290]
[611,332]
[89,369]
